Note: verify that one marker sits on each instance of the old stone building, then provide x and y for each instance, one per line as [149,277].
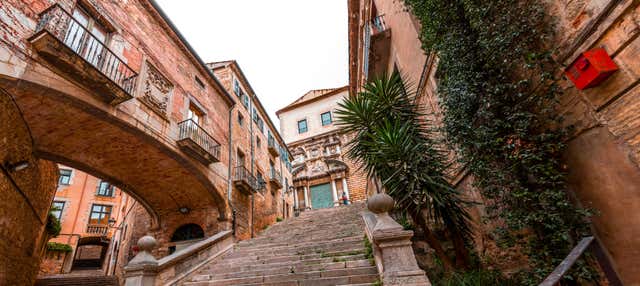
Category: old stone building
[322,173]
[115,91]
[602,154]
[90,211]
[261,164]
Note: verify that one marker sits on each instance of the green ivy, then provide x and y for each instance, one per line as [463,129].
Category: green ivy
[53,226]
[497,92]
[60,247]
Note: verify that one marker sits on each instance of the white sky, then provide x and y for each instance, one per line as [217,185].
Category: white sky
[284,47]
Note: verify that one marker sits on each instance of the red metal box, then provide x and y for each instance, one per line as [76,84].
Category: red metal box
[591,68]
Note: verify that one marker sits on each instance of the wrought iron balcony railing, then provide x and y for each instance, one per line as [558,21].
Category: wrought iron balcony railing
[195,140]
[97,229]
[244,179]
[61,25]
[272,146]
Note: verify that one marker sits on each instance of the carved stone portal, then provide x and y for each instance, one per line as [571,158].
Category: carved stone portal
[157,90]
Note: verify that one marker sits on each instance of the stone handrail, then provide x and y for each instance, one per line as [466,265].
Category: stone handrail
[391,245]
[145,270]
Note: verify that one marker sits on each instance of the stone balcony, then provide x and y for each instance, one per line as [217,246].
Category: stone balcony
[275,179]
[272,147]
[195,141]
[244,180]
[78,55]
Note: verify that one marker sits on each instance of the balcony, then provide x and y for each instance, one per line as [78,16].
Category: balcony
[272,147]
[275,179]
[196,142]
[97,229]
[244,180]
[378,47]
[80,56]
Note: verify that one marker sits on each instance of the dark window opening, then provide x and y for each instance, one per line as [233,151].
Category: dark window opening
[187,232]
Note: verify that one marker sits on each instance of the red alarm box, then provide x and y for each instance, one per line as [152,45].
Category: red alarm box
[591,68]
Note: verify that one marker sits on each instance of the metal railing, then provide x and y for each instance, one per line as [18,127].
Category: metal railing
[61,24]
[275,175]
[587,243]
[378,25]
[240,173]
[97,229]
[189,129]
[271,143]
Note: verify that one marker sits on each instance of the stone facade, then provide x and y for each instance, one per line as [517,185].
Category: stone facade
[136,107]
[602,155]
[320,165]
[259,147]
[26,196]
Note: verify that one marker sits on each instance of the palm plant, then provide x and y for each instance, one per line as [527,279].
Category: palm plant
[393,141]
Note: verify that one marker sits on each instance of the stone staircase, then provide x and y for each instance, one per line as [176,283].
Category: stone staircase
[320,247]
[68,280]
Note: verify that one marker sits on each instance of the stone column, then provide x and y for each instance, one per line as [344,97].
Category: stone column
[143,268]
[306,198]
[346,189]
[392,245]
[334,192]
[295,198]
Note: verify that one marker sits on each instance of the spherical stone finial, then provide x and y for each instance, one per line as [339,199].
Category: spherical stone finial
[380,203]
[146,243]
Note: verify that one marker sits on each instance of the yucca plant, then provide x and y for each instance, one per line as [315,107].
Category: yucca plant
[393,141]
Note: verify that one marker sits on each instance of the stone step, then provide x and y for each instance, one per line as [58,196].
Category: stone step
[325,277]
[288,268]
[77,280]
[253,259]
[223,267]
[300,248]
[283,244]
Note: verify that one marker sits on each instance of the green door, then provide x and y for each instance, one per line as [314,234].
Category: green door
[321,196]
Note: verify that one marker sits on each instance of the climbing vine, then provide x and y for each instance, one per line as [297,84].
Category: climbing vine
[497,89]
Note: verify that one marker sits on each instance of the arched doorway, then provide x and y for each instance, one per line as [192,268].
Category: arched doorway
[90,253]
[184,236]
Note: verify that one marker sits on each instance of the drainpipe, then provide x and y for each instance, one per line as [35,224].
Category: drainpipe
[230,176]
[253,198]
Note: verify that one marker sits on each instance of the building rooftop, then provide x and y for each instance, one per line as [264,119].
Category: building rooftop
[312,95]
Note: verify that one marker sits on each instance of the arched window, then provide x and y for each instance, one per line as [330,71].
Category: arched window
[187,232]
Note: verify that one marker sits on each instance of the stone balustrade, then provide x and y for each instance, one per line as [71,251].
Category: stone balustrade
[146,270]
[391,244]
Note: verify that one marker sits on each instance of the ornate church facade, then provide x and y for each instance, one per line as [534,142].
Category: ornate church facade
[323,176]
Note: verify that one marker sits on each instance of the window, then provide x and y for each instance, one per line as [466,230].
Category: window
[56,209]
[100,214]
[240,119]
[245,100]
[236,88]
[261,125]
[90,47]
[199,82]
[105,189]
[65,177]
[326,118]
[258,142]
[260,180]
[302,126]
[194,113]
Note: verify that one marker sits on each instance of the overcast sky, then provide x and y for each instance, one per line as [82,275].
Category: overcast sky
[284,47]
